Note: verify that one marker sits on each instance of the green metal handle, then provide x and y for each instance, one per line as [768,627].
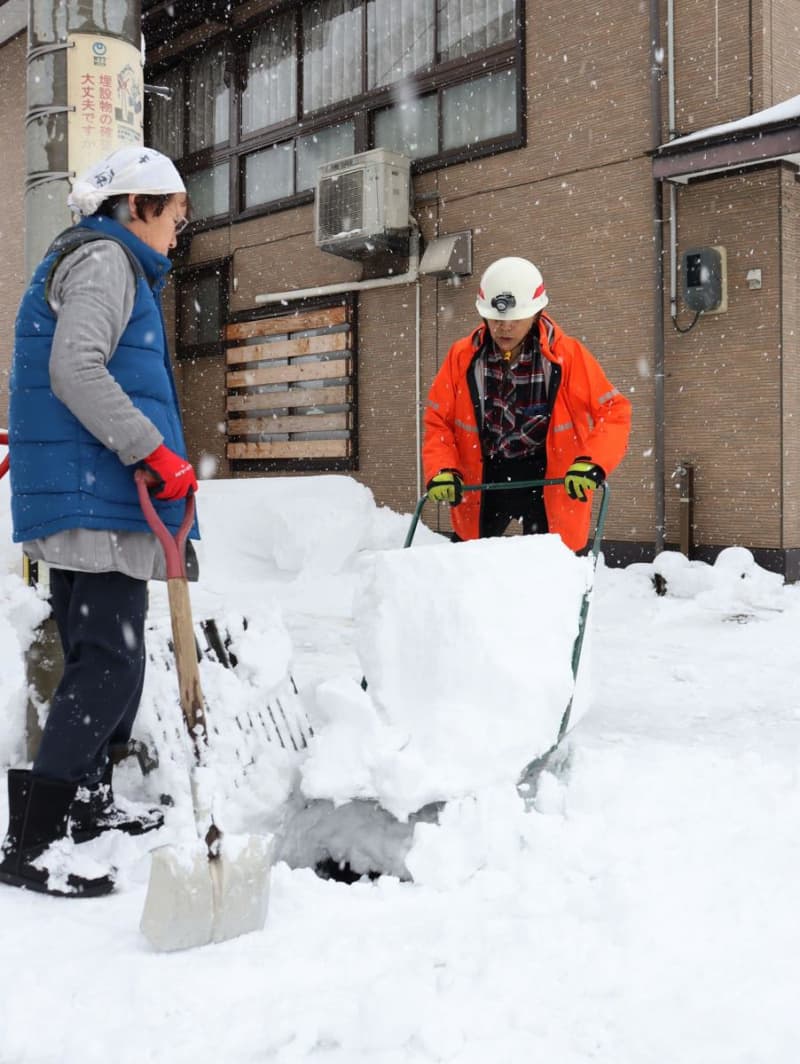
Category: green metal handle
[551,482]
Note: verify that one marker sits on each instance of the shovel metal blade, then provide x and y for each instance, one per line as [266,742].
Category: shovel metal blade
[194,899]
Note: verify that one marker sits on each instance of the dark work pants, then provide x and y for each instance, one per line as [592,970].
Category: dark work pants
[100,618]
[499,508]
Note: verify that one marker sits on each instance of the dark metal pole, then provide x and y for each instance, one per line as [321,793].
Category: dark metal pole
[658,286]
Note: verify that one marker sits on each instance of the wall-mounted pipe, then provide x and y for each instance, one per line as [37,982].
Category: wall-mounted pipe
[411,276]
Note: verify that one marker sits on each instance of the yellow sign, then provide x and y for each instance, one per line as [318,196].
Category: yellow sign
[105,93]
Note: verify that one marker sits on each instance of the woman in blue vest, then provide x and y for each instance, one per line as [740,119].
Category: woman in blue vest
[92,398]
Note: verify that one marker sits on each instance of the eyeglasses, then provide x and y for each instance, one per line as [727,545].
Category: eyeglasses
[180,224]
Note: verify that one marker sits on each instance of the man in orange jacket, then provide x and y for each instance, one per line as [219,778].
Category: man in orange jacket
[517,400]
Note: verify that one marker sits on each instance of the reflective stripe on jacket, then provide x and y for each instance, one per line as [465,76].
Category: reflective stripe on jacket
[588,417]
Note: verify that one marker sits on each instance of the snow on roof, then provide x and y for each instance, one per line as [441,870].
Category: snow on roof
[780,112]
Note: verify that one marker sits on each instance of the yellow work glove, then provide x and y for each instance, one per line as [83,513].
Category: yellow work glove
[446,487]
[583,476]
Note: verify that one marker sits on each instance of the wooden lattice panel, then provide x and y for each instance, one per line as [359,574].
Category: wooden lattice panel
[290,382]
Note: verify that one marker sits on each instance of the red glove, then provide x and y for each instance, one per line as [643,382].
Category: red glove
[175,476]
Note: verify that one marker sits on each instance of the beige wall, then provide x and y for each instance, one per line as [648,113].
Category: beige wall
[789,206]
[719,45]
[776,71]
[723,379]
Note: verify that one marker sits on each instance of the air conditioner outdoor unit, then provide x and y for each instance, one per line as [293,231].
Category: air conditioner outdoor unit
[362,204]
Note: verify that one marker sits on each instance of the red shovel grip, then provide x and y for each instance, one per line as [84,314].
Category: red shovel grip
[4,463]
[174,547]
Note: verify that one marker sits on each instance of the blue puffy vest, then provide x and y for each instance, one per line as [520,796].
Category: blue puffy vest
[61,475]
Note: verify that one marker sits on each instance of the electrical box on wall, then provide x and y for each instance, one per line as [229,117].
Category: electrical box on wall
[705,279]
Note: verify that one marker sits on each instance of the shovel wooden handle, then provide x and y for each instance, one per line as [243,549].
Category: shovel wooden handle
[180,611]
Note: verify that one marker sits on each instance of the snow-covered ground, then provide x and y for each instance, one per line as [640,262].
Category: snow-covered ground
[639,908]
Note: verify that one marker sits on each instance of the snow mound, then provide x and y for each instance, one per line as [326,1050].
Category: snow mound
[310,524]
[467,652]
[734,583]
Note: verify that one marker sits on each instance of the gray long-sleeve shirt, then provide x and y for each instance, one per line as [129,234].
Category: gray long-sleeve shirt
[92,293]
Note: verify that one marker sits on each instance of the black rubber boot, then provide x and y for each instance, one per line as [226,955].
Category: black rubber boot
[38,815]
[94,811]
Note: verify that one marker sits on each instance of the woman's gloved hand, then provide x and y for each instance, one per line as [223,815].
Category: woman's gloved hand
[175,475]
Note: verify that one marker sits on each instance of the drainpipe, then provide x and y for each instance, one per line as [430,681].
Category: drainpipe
[658,268]
[673,190]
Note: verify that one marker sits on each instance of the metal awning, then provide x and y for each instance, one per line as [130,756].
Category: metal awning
[766,136]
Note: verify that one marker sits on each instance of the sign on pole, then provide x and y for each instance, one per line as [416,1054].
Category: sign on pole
[105,93]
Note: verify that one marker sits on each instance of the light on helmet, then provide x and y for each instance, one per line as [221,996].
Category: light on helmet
[511,288]
[503,302]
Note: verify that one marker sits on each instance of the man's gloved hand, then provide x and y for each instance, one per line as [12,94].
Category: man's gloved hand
[446,487]
[583,476]
[174,474]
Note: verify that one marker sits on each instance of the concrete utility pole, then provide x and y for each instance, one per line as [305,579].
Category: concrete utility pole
[51,115]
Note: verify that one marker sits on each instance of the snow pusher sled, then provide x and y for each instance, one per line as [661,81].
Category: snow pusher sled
[535,764]
[547,738]
[474,663]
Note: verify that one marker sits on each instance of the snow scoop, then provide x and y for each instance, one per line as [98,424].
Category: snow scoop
[221,888]
[533,767]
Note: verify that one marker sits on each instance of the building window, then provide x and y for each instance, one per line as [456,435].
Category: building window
[332,59]
[291,390]
[473,27]
[209,190]
[202,309]
[400,39]
[483,109]
[269,76]
[209,96]
[256,109]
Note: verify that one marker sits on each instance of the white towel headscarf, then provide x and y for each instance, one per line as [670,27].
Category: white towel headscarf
[142,171]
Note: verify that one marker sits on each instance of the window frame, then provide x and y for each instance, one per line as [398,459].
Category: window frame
[360,109]
[186,275]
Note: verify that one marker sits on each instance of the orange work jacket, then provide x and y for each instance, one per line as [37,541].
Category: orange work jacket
[588,417]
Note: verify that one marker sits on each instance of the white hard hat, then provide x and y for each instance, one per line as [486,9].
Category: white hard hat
[511,289]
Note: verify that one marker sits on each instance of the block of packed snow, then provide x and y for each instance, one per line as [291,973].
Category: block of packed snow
[467,650]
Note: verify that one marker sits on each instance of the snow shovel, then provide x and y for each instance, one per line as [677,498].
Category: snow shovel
[538,763]
[220,889]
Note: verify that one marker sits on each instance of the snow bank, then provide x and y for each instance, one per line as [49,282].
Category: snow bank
[311,524]
[734,583]
[467,651]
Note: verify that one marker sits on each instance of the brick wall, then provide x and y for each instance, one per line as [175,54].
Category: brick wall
[723,379]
